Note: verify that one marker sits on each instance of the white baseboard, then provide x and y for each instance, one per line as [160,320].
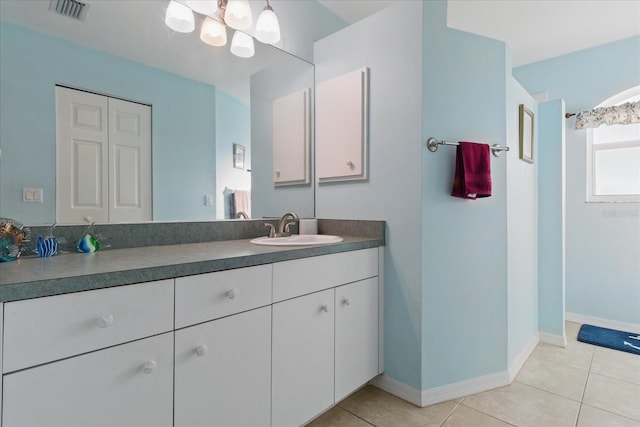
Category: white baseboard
[441,394]
[553,339]
[521,358]
[397,388]
[464,388]
[603,323]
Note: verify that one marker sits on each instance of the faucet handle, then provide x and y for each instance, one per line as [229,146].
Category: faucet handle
[272,229]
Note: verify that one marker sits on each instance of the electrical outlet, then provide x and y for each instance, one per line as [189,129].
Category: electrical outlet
[32,195]
[208,200]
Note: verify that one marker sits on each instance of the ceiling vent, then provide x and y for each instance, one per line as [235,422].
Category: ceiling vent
[72,8]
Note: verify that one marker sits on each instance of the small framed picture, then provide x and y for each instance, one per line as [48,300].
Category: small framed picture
[238,156]
[526,134]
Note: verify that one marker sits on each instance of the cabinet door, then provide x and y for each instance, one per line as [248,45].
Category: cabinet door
[291,139]
[126,385]
[223,372]
[356,335]
[303,348]
[342,127]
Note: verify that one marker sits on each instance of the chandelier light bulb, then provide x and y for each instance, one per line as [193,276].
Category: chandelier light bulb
[204,7]
[268,27]
[237,14]
[213,32]
[179,17]
[242,45]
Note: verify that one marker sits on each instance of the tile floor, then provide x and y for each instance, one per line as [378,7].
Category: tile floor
[578,386]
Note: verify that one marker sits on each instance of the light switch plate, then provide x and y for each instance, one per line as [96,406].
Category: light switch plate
[32,195]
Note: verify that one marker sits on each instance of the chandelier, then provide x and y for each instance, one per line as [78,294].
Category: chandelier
[220,14]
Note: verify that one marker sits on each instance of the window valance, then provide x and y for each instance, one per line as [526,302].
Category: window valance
[623,114]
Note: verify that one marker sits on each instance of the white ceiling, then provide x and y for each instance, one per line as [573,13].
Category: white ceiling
[134,29]
[533,29]
[541,29]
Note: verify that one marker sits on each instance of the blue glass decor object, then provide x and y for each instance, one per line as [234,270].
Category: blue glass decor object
[88,244]
[46,246]
[12,235]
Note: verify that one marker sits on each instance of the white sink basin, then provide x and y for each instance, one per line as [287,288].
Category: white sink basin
[297,240]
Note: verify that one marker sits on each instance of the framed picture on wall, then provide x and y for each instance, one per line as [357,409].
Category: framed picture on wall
[238,156]
[526,134]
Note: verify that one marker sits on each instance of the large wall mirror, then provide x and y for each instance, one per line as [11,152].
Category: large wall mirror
[204,102]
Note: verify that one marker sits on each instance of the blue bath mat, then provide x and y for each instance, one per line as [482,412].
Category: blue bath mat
[610,338]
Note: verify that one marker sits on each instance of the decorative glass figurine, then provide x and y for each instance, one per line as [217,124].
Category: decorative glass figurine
[12,235]
[88,243]
[48,245]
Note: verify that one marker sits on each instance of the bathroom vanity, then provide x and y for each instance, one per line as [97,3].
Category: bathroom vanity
[218,333]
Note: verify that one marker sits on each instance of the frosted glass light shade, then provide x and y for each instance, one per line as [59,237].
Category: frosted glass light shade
[237,14]
[179,17]
[213,32]
[268,27]
[242,45]
[204,7]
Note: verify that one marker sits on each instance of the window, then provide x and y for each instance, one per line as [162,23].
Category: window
[613,157]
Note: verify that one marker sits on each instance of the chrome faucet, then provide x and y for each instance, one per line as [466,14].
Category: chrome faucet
[283,225]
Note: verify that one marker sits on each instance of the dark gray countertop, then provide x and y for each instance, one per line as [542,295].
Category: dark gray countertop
[33,277]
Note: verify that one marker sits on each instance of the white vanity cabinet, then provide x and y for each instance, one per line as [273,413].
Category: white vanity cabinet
[223,366]
[325,332]
[102,357]
[268,345]
[356,337]
[303,352]
[125,385]
[223,372]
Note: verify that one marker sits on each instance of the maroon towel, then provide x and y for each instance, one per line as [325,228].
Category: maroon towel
[473,171]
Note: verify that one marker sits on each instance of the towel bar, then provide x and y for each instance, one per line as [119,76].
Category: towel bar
[433,143]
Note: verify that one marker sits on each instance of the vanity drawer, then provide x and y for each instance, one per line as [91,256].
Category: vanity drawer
[307,275]
[209,296]
[44,329]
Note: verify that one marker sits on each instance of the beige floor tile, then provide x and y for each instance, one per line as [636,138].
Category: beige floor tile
[594,417]
[338,417]
[382,409]
[613,395]
[616,364]
[576,354]
[564,380]
[525,406]
[571,330]
[463,416]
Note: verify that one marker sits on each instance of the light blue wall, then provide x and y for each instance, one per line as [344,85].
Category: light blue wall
[183,114]
[233,126]
[602,240]
[551,217]
[283,78]
[522,229]
[464,243]
[392,192]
